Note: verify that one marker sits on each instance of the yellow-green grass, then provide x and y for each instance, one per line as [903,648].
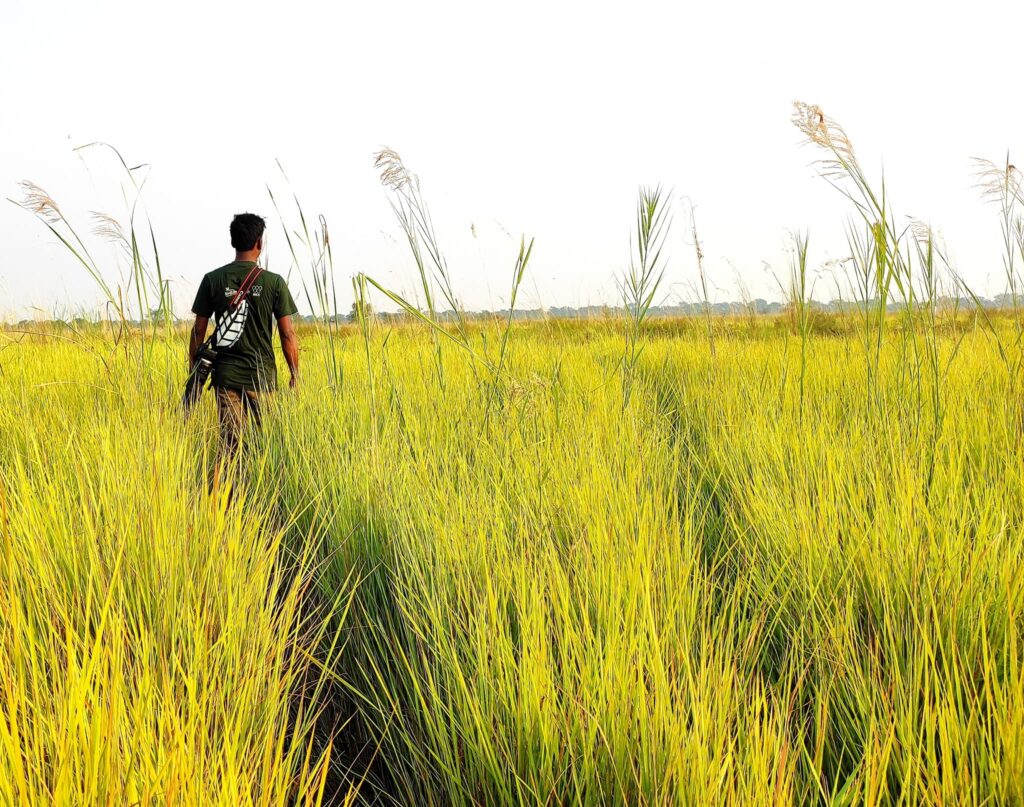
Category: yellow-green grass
[724,592]
[154,638]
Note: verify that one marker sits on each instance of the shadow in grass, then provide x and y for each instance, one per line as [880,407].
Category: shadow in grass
[347,574]
[729,559]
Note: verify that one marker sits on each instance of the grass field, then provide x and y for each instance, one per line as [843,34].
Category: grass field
[789,573]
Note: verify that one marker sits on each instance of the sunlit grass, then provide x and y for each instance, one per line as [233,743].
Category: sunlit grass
[154,638]
[703,597]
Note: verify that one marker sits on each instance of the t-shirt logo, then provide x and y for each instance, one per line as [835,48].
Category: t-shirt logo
[254,291]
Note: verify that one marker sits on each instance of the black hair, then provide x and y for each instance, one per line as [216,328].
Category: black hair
[246,230]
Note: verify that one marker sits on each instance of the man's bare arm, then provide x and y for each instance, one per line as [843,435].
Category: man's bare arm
[290,347]
[197,338]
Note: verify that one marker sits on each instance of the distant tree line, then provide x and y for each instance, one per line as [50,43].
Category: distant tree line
[758,306]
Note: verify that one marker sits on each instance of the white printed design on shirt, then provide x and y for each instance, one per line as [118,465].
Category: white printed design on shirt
[230,326]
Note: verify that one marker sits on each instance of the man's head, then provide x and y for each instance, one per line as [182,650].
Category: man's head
[247,232]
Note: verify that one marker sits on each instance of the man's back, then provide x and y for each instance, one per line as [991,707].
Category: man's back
[244,344]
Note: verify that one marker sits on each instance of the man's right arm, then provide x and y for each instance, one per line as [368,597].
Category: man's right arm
[202,307]
[197,338]
[290,348]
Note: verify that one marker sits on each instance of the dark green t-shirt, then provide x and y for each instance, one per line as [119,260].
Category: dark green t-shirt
[245,344]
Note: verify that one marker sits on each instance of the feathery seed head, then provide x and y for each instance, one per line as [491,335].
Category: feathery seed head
[108,228]
[393,173]
[823,131]
[998,183]
[38,201]
[921,231]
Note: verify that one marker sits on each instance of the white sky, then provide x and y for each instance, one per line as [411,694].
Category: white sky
[535,117]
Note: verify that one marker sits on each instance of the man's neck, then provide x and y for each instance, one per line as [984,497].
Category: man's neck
[251,255]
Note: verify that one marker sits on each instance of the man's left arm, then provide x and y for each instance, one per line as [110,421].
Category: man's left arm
[284,308]
[290,348]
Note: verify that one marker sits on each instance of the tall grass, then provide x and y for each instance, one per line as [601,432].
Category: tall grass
[413,216]
[694,599]
[140,270]
[800,304]
[842,169]
[411,211]
[699,598]
[702,277]
[314,268]
[156,640]
[641,281]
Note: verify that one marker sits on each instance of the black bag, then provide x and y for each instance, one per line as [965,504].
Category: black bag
[199,375]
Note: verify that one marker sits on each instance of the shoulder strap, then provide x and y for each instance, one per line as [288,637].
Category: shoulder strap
[245,286]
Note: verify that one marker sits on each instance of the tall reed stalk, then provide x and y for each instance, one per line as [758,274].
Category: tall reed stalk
[892,270]
[138,260]
[410,209]
[800,304]
[641,281]
[321,288]
[361,307]
[869,295]
[702,278]
[518,272]
[1002,185]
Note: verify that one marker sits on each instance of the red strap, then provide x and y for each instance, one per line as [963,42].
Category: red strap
[244,287]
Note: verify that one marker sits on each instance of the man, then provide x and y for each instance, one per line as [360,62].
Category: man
[245,368]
